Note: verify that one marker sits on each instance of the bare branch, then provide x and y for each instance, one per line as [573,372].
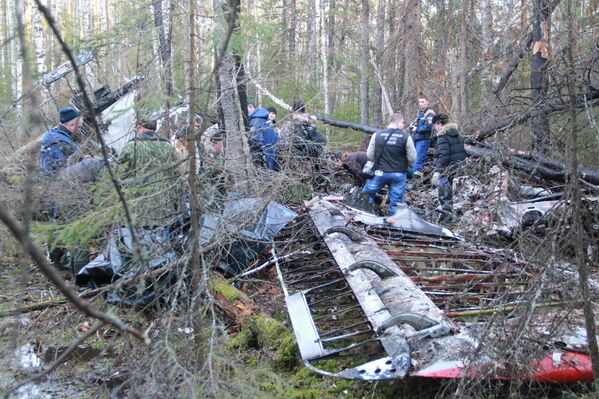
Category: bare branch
[40,260]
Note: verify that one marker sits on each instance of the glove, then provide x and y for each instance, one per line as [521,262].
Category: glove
[435,179]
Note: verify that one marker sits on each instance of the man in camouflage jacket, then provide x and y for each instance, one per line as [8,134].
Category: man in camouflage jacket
[148,166]
[147,152]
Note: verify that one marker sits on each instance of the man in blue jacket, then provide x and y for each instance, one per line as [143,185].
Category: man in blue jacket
[421,130]
[60,153]
[262,132]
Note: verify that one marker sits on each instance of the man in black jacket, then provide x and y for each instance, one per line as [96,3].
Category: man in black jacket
[449,155]
[392,150]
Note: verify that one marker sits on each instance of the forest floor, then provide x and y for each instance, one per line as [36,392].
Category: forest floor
[254,356]
[103,366]
[108,365]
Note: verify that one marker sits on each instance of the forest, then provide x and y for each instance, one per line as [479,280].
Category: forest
[223,275]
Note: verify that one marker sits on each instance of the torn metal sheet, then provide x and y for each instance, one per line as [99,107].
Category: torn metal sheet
[64,69]
[388,300]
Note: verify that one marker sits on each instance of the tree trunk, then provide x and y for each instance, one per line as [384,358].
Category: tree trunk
[379,48]
[164,41]
[238,163]
[486,11]
[4,27]
[393,71]
[195,259]
[324,53]
[329,28]
[364,53]
[538,72]
[292,29]
[444,31]
[312,19]
[579,239]
[16,62]
[258,56]
[411,82]
[463,63]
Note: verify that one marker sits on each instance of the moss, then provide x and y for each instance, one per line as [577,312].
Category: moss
[243,340]
[270,332]
[229,292]
[263,332]
[286,358]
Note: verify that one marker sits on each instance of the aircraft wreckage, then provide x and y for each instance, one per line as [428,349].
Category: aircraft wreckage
[398,296]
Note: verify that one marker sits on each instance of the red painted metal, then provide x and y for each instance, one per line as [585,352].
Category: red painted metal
[573,367]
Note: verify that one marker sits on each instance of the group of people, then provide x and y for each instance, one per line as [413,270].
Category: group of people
[298,135]
[394,150]
[146,157]
[61,154]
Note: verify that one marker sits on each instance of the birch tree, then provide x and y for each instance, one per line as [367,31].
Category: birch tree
[164,40]
[40,44]
[16,62]
[325,37]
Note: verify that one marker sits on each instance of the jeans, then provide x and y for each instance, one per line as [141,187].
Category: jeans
[397,187]
[421,150]
[445,193]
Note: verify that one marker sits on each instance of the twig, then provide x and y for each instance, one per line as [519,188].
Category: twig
[36,255]
[92,293]
[59,360]
[32,308]
[271,262]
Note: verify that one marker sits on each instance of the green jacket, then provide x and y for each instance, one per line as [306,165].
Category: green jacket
[148,164]
[147,153]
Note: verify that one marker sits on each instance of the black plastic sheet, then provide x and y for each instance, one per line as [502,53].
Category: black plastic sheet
[118,261]
[253,222]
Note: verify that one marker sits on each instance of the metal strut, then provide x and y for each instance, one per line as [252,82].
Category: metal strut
[351,234]
[381,270]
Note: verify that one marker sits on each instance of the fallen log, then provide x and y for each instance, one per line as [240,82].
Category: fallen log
[532,163]
[347,125]
[591,99]
[540,165]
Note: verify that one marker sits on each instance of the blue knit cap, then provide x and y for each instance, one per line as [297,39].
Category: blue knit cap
[67,114]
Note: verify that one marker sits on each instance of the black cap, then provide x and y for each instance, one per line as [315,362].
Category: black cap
[67,114]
